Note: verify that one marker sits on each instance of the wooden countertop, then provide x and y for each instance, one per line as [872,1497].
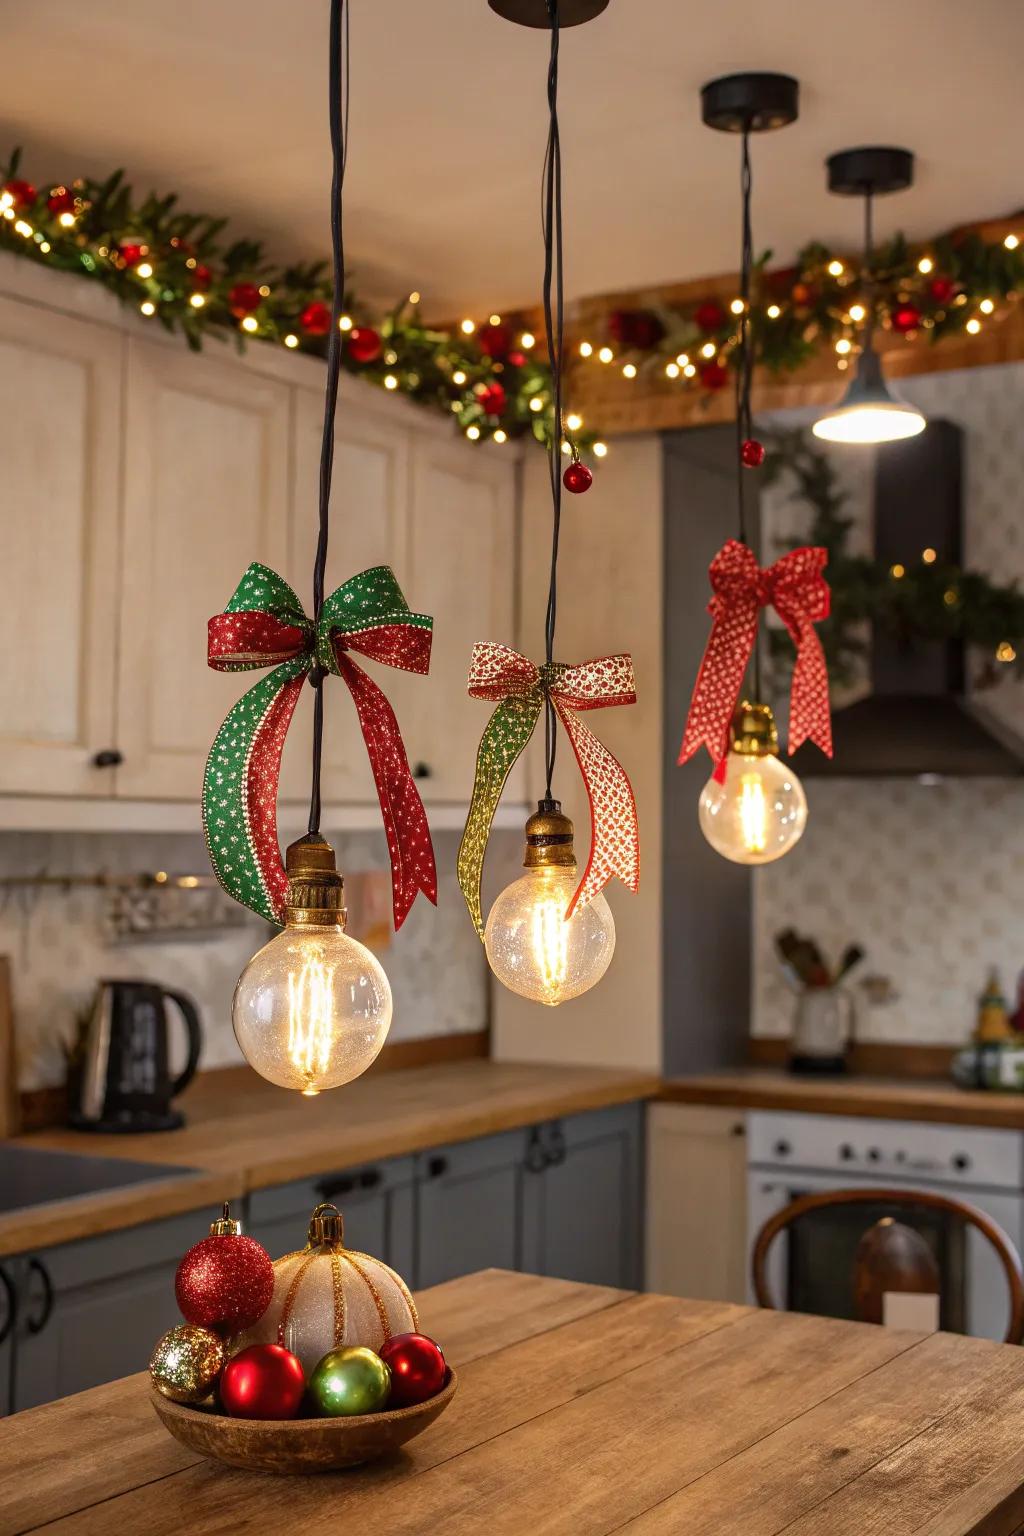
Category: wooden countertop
[876,1098]
[244,1134]
[584,1411]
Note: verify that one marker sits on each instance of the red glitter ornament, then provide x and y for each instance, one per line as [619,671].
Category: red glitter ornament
[225,1281]
[130,251]
[316,318]
[577,478]
[22,193]
[417,1366]
[493,399]
[364,344]
[202,277]
[61,200]
[243,299]
[752,453]
[713,374]
[709,316]
[265,1381]
[495,341]
[941,289]
[906,318]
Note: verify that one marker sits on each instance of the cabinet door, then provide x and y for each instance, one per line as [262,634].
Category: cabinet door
[369,526]
[91,1311]
[205,494]
[376,1202]
[463,573]
[583,1216]
[468,1208]
[60,423]
[697,1202]
[8,1310]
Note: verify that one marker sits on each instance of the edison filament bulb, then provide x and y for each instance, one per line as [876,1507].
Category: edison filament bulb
[532,947]
[759,811]
[312,1009]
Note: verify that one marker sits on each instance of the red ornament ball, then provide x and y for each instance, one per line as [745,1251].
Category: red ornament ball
[516,359]
[495,341]
[130,252]
[639,328]
[243,299]
[709,316]
[906,318]
[316,318]
[713,374]
[941,289]
[202,277]
[417,1366]
[265,1381]
[61,200]
[803,293]
[492,398]
[225,1282]
[752,453]
[364,344]
[22,193]
[577,478]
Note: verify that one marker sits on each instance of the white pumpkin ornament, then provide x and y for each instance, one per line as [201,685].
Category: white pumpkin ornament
[327,1296]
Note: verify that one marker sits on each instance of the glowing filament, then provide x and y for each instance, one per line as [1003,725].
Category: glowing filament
[753,813]
[551,944]
[310,998]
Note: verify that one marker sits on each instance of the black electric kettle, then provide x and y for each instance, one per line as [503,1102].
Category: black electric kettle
[123,1082]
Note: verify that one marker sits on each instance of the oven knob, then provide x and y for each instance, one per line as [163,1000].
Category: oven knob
[961,1162]
[846,1152]
[782,1149]
[901,1157]
[874,1155]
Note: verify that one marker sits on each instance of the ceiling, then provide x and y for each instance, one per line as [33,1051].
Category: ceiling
[224,103]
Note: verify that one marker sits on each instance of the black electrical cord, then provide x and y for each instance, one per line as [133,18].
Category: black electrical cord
[554,328]
[868,339]
[745,370]
[337,111]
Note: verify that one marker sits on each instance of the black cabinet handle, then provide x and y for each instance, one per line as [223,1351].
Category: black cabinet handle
[12,1305]
[437,1167]
[782,1148]
[370,1178]
[422,771]
[536,1157]
[556,1147]
[110,757]
[37,1324]
[342,1184]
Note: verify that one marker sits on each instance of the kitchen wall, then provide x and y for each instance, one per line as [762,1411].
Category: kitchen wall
[59,944]
[929,879]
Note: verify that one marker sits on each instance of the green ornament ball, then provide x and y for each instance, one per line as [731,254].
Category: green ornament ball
[350,1381]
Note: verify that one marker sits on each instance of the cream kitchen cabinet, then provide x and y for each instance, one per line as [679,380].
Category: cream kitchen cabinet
[696,1201]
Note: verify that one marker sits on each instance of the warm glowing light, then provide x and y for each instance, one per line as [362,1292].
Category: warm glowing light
[147,307]
[6,199]
[197,300]
[345,322]
[986,306]
[683,359]
[536,404]
[708,349]
[473,433]
[573,422]
[773,311]
[1011,242]
[567,448]
[950,597]
[672,369]
[21,227]
[250,324]
[458,377]
[535,951]
[974,325]
[585,349]
[45,246]
[415,296]
[468,327]
[606,354]
[737,306]
[500,436]
[1005,651]
[66,220]
[600,450]
[869,424]
[925,264]
[758,814]
[629,371]
[494,320]
[857,313]
[144,269]
[928,556]
[897,571]
[264,291]
[527,340]
[753,813]
[835,269]
[390,382]
[843,345]
[690,370]
[291,340]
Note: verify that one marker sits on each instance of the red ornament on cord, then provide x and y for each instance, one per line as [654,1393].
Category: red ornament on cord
[202,277]
[709,316]
[752,453]
[577,478]
[316,318]
[941,289]
[495,341]
[225,1281]
[493,399]
[906,318]
[61,200]
[265,1381]
[418,1369]
[713,374]
[243,299]
[22,193]
[130,252]
[364,344]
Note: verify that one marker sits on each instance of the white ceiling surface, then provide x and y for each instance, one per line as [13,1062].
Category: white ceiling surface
[225,103]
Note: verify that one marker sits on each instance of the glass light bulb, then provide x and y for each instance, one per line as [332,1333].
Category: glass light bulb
[312,1009]
[758,814]
[869,424]
[531,947]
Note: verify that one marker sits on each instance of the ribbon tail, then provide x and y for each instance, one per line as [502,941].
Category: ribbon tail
[810,717]
[405,821]
[614,833]
[505,735]
[719,680]
[240,792]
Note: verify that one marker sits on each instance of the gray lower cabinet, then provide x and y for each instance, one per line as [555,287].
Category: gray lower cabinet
[376,1202]
[8,1311]
[469,1200]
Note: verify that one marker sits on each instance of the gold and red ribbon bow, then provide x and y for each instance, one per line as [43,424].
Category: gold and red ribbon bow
[796,589]
[519,687]
[263,625]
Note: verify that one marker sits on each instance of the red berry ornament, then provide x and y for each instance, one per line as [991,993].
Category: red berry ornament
[265,1381]
[752,453]
[316,318]
[713,374]
[202,277]
[495,341]
[364,344]
[941,289]
[225,1281]
[493,399]
[577,478]
[130,252]
[243,299]
[709,316]
[906,318]
[639,328]
[61,200]
[417,1367]
[21,193]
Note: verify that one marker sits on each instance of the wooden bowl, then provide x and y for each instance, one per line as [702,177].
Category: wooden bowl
[300,1445]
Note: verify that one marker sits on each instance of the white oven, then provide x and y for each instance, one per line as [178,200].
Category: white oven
[810,1266]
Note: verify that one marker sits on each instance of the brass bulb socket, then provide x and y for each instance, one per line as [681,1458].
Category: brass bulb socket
[753,732]
[326,1226]
[225,1225]
[549,838]
[316,891]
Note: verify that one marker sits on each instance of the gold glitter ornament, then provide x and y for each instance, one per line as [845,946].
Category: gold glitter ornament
[186,1363]
[329,1297]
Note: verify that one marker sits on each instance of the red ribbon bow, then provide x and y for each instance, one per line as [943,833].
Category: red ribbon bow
[796,589]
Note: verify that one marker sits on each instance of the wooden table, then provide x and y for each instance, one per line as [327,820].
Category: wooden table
[584,1411]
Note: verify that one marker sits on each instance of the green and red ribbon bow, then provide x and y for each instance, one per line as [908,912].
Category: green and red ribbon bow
[264,626]
[496,672]
[795,587]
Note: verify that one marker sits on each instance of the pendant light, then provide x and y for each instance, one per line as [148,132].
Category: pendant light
[869,412]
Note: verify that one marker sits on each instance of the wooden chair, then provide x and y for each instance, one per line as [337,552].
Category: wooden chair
[892,1256]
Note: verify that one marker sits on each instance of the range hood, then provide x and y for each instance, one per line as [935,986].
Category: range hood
[917,722]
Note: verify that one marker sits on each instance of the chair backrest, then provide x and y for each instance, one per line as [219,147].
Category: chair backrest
[890,1256]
